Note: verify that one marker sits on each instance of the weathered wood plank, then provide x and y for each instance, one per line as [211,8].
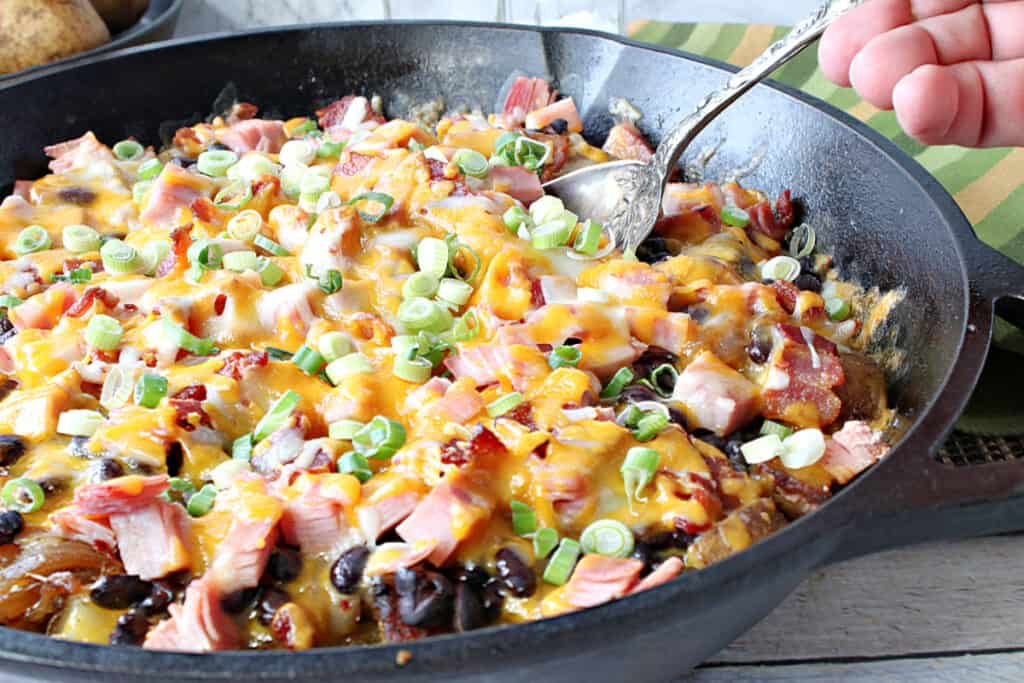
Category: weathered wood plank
[988,668]
[935,598]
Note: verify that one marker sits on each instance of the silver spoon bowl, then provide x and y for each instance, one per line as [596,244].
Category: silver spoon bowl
[626,196]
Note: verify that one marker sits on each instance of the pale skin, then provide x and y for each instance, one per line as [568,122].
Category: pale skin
[953,70]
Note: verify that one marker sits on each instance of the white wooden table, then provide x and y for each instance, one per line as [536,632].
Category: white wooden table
[937,612]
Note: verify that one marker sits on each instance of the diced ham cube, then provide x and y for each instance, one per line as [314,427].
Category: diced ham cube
[598,579]
[43,311]
[625,141]
[120,495]
[564,109]
[287,306]
[381,516]
[260,135]
[517,182]
[798,387]
[153,540]
[714,396]
[665,572]
[76,153]
[175,188]
[525,95]
[313,517]
[459,404]
[448,515]
[198,625]
[282,446]
[489,363]
[332,241]
[852,450]
[242,556]
[71,523]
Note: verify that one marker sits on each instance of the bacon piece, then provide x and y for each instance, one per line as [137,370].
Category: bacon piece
[388,558]
[152,540]
[793,496]
[71,523]
[564,109]
[198,625]
[175,188]
[123,494]
[525,95]
[384,515]
[773,223]
[714,396]
[341,117]
[242,556]
[665,572]
[462,452]
[181,240]
[517,182]
[852,450]
[239,363]
[188,402]
[42,311]
[598,579]
[786,293]
[798,386]
[625,141]
[260,135]
[449,513]
[240,111]
[78,152]
[23,189]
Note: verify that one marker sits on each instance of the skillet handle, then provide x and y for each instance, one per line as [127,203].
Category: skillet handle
[913,497]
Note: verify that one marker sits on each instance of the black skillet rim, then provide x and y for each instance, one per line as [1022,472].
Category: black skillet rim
[438,653]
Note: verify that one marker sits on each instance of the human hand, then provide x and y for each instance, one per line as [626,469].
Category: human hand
[952,69]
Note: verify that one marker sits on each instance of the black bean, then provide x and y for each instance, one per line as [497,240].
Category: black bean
[184,162]
[573,341]
[666,540]
[645,553]
[6,385]
[82,196]
[653,357]
[808,282]
[699,312]
[760,347]
[469,608]
[348,569]
[808,265]
[11,524]
[175,458]
[653,249]
[236,601]
[12,447]
[131,629]
[270,599]
[638,392]
[424,597]
[284,564]
[118,591]
[517,576]
[108,468]
[710,438]
[471,574]
[559,126]
[158,600]
[7,329]
[218,147]
[492,599]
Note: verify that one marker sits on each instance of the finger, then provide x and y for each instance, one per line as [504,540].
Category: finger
[974,104]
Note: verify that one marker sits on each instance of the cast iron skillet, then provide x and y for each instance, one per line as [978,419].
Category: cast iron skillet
[885,219]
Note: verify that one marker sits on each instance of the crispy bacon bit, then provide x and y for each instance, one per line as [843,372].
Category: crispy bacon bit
[23,189]
[786,293]
[333,114]
[525,95]
[205,210]
[219,303]
[188,402]
[95,265]
[523,414]
[773,223]
[625,141]
[242,111]
[355,163]
[536,293]
[784,209]
[182,240]
[460,452]
[798,387]
[84,303]
[188,141]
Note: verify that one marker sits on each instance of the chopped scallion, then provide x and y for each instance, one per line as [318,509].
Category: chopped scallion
[524,519]
[544,541]
[637,471]
[837,309]
[23,495]
[383,200]
[503,404]
[216,162]
[380,438]
[30,240]
[355,464]
[150,389]
[276,416]
[432,256]
[240,261]
[150,169]
[735,216]
[419,284]
[564,357]
[618,382]
[241,448]
[269,245]
[334,345]
[270,273]
[353,363]
[344,430]
[562,563]
[103,332]
[127,150]
[80,239]
[454,291]
[233,196]
[308,360]
[121,258]
[201,502]
[471,162]
[607,537]
[79,422]
[777,428]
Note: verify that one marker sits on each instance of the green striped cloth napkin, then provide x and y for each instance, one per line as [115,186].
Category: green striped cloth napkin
[987,183]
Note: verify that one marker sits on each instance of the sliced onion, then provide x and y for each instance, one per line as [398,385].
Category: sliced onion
[802,449]
[762,449]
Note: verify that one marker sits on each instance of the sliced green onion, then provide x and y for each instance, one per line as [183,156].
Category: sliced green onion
[503,404]
[252,166]
[79,422]
[150,169]
[802,241]
[550,235]
[637,471]
[297,153]
[149,390]
[419,285]
[733,215]
[188,341]
[329,149]
[201,502]
[618,382]
[278,354]
[471,162]
[631,416]
[32,239]
[780,268]
[233,196]
[240,261]
[562,563]
[306,127]
[344,430]
[153,254]
[420,313]
[466,327]
[23,495]
[117,388]
[314,183]
[413,368]
[454,247]
[352,364]
[607,537]
[245,226]
[355,464]
[269,245]
[216,162]
[762,449]
[432,256]
[121,258]
[270,273]
[454,291]
[291,180]
[9,301]
[777,428]
[334,345]
[524,520]
[515,217]
[380,438]
[650,425]
[77,276]
[205,253]
[837,309]
[241,448]
[504,145]
[330,281]
[531,154]
[127,150]
[103,332]
[588,238]
[308,360]
[80,238]
[544,541]
[276,416]
[384,200]
[565,357]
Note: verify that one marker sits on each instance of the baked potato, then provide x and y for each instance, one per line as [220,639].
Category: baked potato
[120,14]
[34,32]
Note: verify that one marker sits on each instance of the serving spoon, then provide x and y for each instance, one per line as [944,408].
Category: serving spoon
[625,196]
